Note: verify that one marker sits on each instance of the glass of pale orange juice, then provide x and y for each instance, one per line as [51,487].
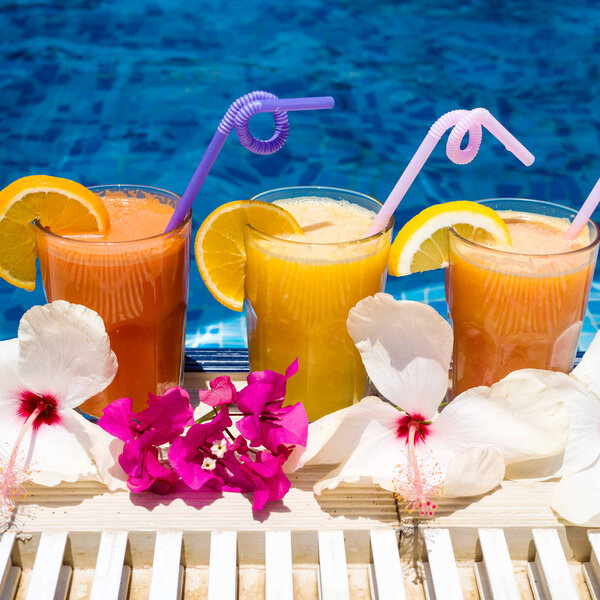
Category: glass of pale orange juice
[136,278]
[300,288]
[521,306]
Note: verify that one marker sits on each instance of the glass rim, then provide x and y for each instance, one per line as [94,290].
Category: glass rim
[267,236]
[95,188]
[553,255]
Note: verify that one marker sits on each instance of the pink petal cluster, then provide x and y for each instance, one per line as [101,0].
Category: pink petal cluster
[142,433]
[208,454]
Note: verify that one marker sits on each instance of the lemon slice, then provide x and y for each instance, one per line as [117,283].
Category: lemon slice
[219,247]
[422,244]
[63,206]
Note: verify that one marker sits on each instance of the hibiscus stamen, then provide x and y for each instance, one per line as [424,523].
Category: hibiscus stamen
[13,479]
[419,481]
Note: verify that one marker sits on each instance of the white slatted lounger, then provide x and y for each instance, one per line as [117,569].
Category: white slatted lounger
[549,574]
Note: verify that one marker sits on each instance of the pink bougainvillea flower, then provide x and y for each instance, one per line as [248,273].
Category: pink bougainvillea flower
[269,482]
[61,357]
[407,444]
[222,391]
[164,419]
[204,456]
[267,422]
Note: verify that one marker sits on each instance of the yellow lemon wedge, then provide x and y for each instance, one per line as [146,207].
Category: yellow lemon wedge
[422,244]
[63,206]
[220,250]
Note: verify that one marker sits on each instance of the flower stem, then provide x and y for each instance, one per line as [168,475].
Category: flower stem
[9,478]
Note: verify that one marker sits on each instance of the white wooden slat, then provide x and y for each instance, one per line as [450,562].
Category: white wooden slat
[591,570]
[167,572]
[495,575]
[9,587]
[386,574]
[279,581]
[444,573]
[222,568]
[333,570]
[47,568]
[552,568]
[7,541]
[109,573]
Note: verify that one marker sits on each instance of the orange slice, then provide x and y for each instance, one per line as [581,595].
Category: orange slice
[422,244]
[219,247]
[63,206]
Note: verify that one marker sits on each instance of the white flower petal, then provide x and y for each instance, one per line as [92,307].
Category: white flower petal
[10,380]
[64,350]
[577,497]
[473,472]
[103,448]
[406,349]
[583,442]
[587,370]
[536,469]
[332,437]
[51,453]
[373,460]
[521,416]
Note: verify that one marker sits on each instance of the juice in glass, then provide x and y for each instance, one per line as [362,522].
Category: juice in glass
[521,306]
[136,278]
[300,289]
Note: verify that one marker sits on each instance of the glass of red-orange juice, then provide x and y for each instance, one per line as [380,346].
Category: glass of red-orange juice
[136,278]
[521,306]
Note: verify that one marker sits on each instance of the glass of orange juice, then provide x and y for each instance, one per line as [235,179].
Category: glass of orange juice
[521,306]
[299,290]
[136,278]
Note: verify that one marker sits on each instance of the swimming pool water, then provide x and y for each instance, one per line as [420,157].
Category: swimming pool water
[131,92]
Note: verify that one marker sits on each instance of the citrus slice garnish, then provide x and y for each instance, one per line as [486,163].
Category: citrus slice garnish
[422,244]
[220,250]
[61,205]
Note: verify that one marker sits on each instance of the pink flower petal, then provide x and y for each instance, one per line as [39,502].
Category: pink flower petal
[222,391]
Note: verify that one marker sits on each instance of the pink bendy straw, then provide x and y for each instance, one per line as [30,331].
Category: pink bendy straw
[463,121]
[238,115]
[585,213]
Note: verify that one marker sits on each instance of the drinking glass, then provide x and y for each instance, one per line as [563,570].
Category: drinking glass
[514,311]
[298,296]
[138,287]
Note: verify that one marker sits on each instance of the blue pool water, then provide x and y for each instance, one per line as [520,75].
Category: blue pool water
[131,92]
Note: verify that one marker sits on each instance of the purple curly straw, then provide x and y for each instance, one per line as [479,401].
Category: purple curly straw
[462,121]
[238,115]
